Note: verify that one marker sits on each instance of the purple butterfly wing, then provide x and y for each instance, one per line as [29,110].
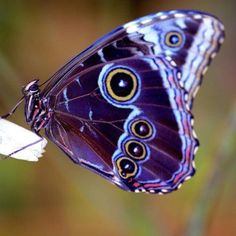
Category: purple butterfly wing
[85,126]
[202,35]
[128,83]
[92,129]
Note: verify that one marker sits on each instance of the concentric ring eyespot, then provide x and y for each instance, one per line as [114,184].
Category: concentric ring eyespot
[142,129]
[173,39]
[127,168]
[135,149]
[121,84]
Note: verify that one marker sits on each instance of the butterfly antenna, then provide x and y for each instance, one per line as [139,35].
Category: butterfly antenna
[13,109]
[45,82]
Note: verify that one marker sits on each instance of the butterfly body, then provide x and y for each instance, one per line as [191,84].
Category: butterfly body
[122,108]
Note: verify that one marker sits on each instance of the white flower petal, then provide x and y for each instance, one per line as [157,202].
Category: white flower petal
[20,143]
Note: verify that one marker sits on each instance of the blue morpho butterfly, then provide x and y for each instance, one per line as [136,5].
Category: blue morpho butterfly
[122,107]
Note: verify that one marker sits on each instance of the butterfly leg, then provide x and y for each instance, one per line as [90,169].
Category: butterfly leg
[13,109]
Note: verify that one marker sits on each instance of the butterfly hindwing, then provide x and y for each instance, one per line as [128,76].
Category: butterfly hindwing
[97,126]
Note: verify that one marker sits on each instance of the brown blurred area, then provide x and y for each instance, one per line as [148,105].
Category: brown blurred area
[56,197]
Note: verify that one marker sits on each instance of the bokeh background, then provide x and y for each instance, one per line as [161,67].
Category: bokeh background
[56,197]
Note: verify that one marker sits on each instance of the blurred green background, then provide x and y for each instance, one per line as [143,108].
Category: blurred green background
[56,197]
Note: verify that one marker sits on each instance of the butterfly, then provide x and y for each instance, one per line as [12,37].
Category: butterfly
[122,107]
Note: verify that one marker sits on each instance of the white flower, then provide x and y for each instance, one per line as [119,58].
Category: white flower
[20,143]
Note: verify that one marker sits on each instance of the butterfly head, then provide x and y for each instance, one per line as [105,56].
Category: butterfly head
[35,107]
[31,94]
[31,88]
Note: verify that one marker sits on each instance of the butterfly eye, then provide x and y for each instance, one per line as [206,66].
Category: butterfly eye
[121,84]
[142,129]
[32,87]
[126,167]
[173,39]
[135,149]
